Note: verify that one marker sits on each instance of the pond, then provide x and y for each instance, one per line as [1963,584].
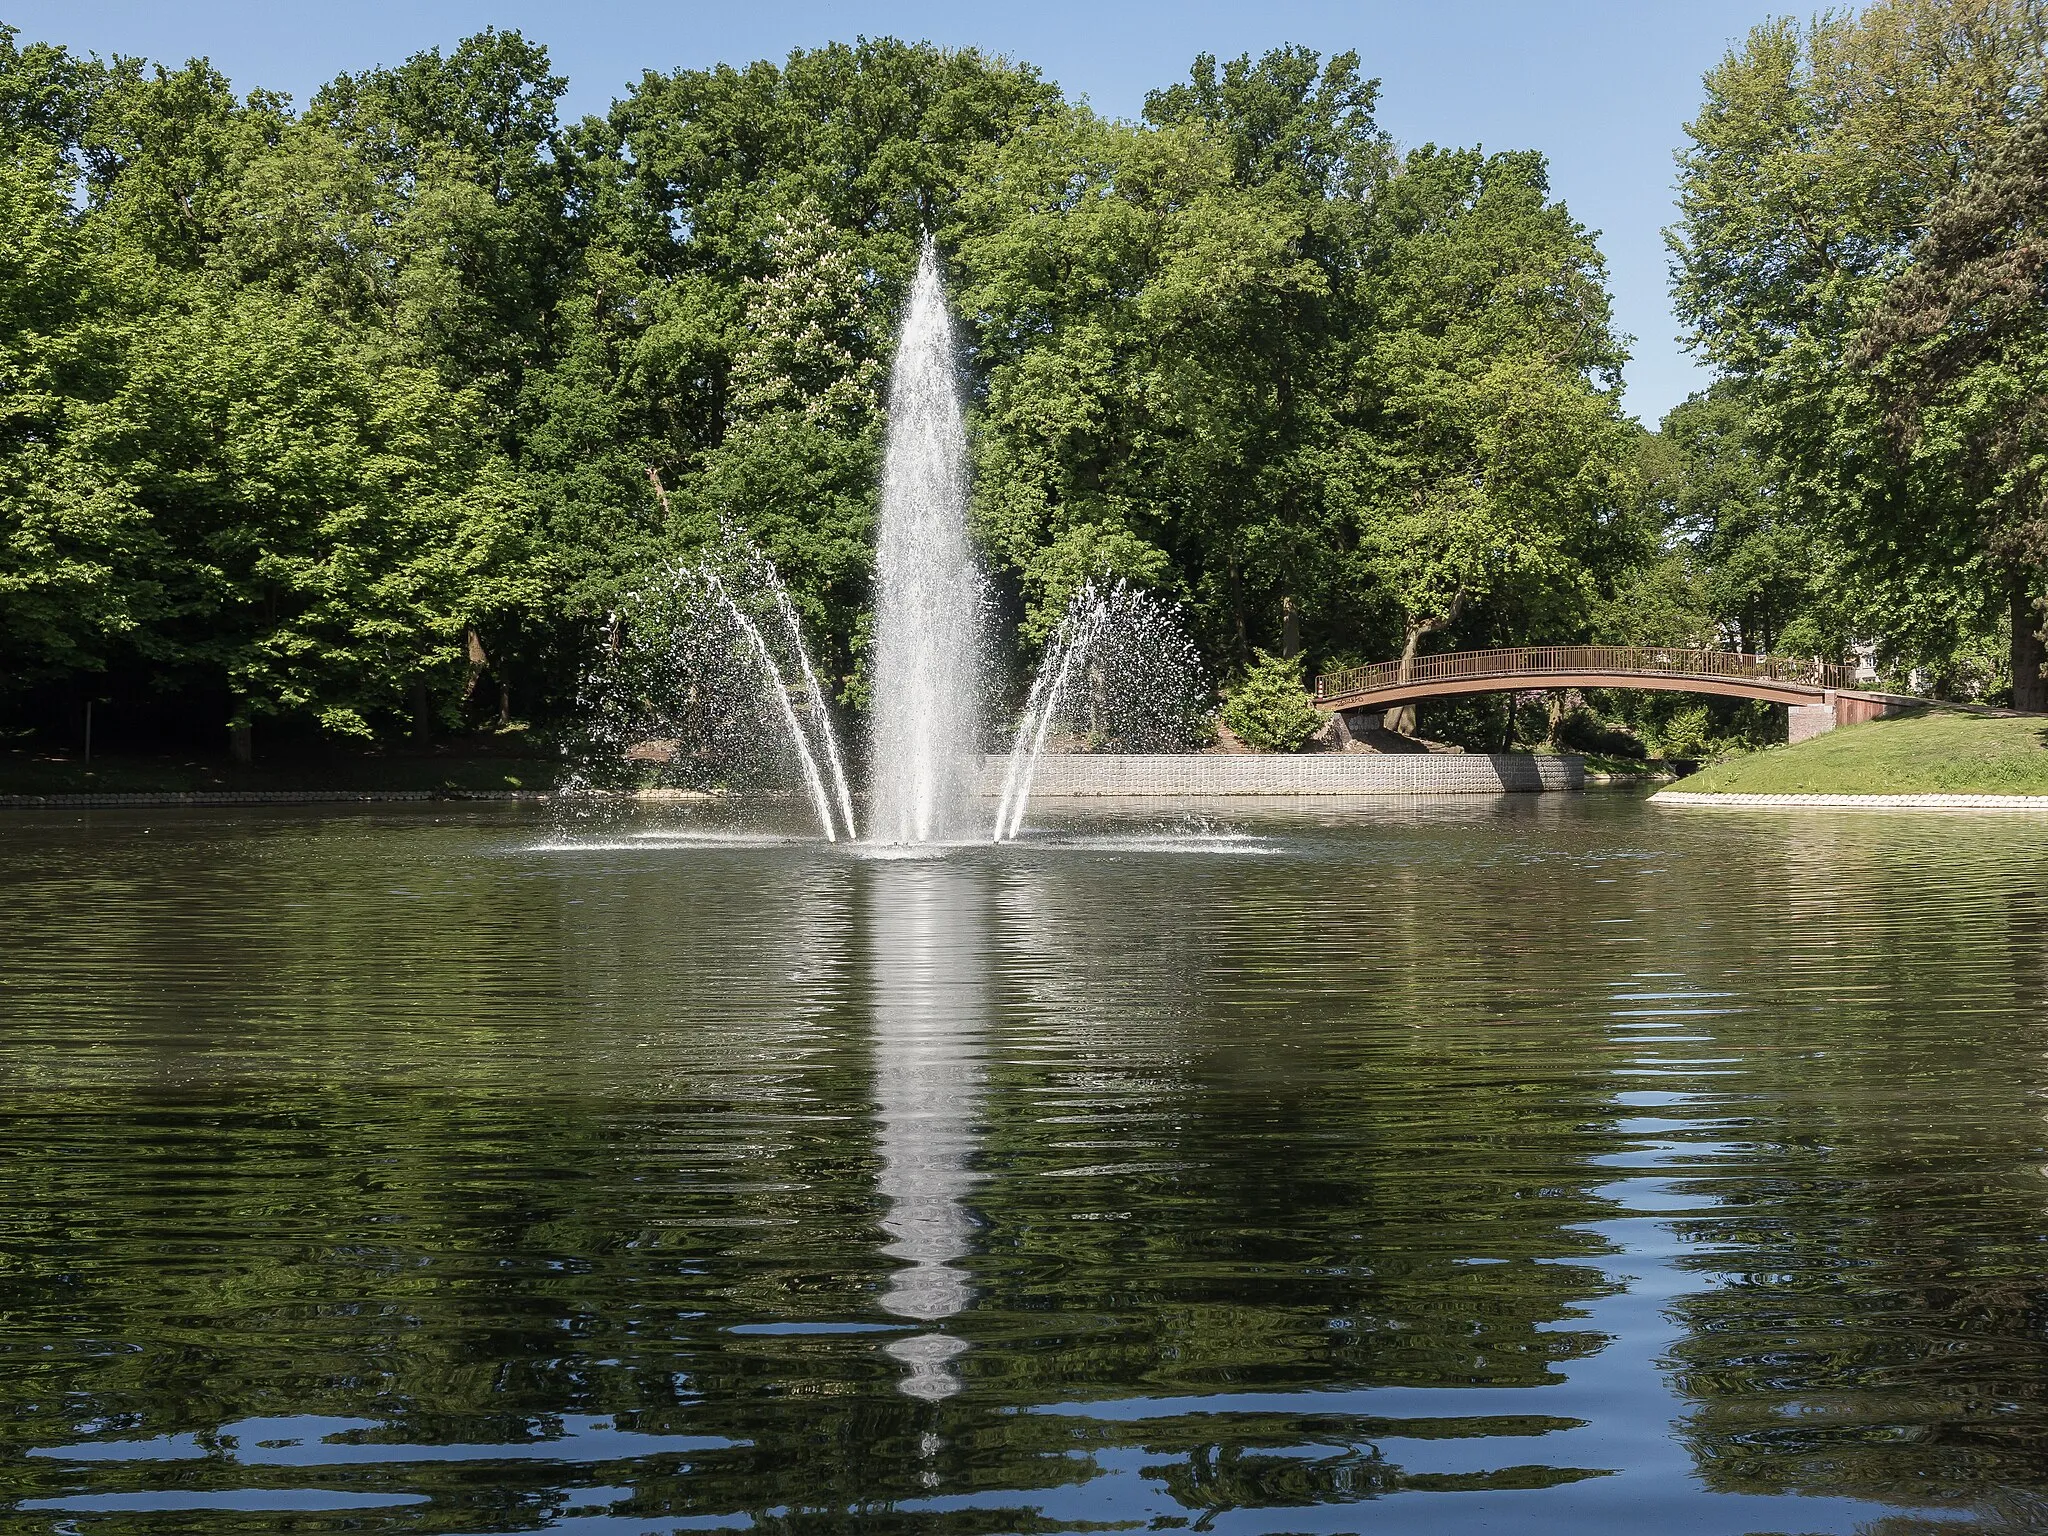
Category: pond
[1540,1164]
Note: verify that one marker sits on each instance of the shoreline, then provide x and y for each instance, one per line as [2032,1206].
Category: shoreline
[146,799]
[1859,802]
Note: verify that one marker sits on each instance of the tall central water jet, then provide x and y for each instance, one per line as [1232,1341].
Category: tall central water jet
[928,672]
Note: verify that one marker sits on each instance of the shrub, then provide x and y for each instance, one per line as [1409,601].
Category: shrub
[1686,735]
[1271,710]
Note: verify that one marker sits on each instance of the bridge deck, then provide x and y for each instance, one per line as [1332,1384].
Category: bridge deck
[1784,679]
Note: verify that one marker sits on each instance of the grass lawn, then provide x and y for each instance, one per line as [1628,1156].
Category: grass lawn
[1929,753]
[44,773]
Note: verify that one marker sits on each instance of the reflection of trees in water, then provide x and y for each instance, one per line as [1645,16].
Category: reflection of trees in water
[1244,1474]
[1880,1325]
[1999,1514]
[1243,1167]
[532,1141]
[456,1148]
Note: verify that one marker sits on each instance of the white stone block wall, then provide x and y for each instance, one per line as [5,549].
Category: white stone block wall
[1333,773]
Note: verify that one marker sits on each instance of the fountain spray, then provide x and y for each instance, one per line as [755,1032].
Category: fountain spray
[928,644]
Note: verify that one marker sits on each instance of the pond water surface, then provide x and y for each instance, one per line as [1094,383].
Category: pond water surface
[1543,1164]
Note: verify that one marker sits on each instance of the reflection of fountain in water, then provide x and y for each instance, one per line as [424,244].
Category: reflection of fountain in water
[927,925]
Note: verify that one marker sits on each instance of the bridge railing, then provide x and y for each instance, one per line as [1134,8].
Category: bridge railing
[1536,661]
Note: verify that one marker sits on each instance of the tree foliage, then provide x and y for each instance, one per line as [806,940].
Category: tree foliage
[237,458]
[1958,348]
[314,412]
[1270,709]
[1843,176]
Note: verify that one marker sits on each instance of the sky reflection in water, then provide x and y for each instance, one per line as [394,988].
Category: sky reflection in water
[1546,1164]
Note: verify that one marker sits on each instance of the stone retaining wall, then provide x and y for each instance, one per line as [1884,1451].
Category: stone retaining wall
[1076,775]
[1328,773]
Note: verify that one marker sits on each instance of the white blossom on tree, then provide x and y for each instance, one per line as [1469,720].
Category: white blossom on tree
[810,334]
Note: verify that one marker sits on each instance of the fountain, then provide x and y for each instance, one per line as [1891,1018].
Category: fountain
[704,689]
[1145,688]
[928,675]
[691,686]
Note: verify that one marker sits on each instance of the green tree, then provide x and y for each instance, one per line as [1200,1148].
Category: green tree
[334,525]
[237,468]
[80,568]
[1759,573]
[1110,268]
[1499,486]
[1270,709]
[1816,164]
[1959,345]
[800,456]
[476,176]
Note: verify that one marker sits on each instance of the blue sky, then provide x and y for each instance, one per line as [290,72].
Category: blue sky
[1603,87]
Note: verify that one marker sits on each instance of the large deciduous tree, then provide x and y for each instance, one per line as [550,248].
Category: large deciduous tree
[1501,472]
[1819,161]
[1959,348]
[1336,400]
[235,464]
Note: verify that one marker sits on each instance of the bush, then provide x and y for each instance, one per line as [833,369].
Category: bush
[1271,710]
[1686,735]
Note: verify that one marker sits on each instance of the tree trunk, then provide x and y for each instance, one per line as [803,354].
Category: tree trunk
[241,743]
[660,492]
[504,705]
[2029,654]
[422,713]
[1401,718]
[1290,628]
[473,653]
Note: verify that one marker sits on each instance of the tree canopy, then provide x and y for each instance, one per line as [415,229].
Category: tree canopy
[1857,257]
[315,412]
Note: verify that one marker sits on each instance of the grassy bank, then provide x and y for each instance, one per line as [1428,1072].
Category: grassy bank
[1933,753]
[42,773]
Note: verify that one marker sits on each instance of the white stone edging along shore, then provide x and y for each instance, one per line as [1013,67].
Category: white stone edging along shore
[1855,802]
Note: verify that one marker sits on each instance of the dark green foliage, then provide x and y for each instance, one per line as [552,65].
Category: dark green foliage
[1959,347]
[1757,571]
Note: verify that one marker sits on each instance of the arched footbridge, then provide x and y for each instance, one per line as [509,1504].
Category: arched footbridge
[1820,694]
